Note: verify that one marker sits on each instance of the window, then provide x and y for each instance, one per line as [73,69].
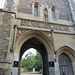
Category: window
[53,13]
[35,10]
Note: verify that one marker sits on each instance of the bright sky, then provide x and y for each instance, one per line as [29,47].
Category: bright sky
[2,3]
[29,50]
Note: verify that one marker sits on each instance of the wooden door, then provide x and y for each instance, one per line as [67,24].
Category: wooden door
[65,65]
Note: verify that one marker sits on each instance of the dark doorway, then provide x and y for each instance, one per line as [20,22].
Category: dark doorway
[65,65]
[38,45]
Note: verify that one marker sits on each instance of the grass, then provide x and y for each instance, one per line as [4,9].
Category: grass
[30,72]
[26,72]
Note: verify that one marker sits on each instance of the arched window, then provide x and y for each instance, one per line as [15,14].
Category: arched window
[53,13]
[65,65]
[35,10]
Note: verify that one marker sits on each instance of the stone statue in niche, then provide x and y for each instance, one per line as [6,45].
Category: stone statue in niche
[46,14]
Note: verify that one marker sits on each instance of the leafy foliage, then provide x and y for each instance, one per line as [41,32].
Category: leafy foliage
[38,62]
[32,61]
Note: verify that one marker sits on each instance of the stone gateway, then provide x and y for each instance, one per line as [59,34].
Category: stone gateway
[45,25]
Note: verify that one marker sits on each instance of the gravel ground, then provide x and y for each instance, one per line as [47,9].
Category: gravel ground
[30,74]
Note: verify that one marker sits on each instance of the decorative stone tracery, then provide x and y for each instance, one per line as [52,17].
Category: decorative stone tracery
[48,34]
[21,31]
[44,25]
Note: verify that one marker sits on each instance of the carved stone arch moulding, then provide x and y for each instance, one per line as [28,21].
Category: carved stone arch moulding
[21,31]
[30,34]
[66,50]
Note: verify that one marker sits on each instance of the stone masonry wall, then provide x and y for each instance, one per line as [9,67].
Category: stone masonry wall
[25,6]
[10,5]
[64,40]
[72,6]
[5,26]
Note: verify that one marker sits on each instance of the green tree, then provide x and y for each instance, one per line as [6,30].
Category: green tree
[32,61]
[27,61]
[38,61]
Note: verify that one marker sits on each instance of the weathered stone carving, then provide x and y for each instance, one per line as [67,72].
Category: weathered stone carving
[20,31]
[43,25]
[48,34]
[46,14]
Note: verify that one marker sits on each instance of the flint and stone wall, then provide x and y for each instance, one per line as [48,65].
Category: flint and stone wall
[25,6]
[6,20]
[64,34]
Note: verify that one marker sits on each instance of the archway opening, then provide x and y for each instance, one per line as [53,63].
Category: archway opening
[31,62]
[39,46]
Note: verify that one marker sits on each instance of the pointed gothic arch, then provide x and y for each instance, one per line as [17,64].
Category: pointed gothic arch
[61,55]
[36,40]
[65,65]
[67,50]
[54,12]
[38,45]
[35,8]
[37,34]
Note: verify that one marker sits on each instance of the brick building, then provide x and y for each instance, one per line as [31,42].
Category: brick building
[46,25]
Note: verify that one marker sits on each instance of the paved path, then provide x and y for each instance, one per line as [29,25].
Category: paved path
[30,74]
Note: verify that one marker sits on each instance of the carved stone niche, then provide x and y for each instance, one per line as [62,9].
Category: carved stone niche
[46,14]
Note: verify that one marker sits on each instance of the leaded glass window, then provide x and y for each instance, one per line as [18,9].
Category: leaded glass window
[35,10]
[53,13]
